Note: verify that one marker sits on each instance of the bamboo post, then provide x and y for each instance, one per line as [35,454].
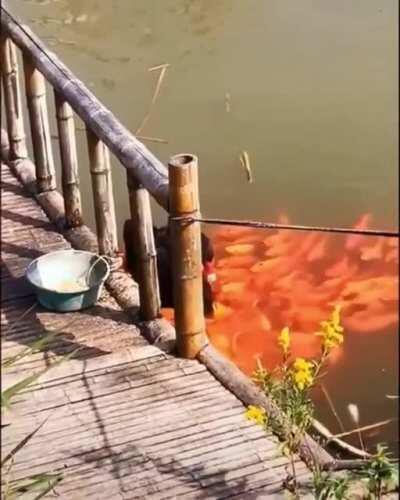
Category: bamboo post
[145,250]
[35,87]
[186,244]
[102,195]
[12,100]
[69,162]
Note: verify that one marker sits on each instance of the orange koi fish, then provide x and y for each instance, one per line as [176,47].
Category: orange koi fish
[355,240]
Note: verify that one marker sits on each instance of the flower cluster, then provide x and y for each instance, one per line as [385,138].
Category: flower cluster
[302,372]
[284,340]
[332,331]
[256,414]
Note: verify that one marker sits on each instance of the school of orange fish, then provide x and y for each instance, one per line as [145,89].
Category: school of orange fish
[270,279]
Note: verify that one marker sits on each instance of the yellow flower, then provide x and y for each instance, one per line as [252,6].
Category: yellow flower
[256,414]
[332,331]
[284,340]
[302,373]
[335,318]
[301,364]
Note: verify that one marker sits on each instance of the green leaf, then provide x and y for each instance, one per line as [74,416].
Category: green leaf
[44,482]
[22,443]
[38,345]
[12,391]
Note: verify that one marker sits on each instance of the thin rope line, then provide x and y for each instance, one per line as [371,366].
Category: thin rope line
[271,225]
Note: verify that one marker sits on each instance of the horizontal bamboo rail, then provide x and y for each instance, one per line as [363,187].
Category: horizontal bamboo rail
[134,155]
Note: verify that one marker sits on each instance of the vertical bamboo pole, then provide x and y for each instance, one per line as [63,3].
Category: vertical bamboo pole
[69,162]
[144,245]
[12,100]
[35,87]
[102,195]
[186,244]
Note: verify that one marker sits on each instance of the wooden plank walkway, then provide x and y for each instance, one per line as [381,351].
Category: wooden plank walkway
[125,420]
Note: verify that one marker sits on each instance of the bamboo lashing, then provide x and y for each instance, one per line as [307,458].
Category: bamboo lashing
[69,162]
[12,100]
[187,265]
[144,247]
[102,195]
[35,87]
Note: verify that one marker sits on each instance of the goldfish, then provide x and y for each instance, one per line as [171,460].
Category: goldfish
[374,252]
[342,268]
[237,261]
[364,322]
[354,241]
[291,279]
[233,274]
[319,250]
[221,311]
[242,249]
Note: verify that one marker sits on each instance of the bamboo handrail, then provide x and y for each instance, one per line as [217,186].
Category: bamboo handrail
[12,100]
[186,256]
[134,155]
[69,162]
[35,87]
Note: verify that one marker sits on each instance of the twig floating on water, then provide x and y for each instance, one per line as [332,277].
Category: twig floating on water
[152,139]
[332,407]
[364,428]
[228,102]
[160,66]
[163,68]
[245,161]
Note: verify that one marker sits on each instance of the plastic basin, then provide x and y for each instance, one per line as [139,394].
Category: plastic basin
[55,278]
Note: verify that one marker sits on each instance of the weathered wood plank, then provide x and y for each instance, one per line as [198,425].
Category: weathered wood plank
[131,423]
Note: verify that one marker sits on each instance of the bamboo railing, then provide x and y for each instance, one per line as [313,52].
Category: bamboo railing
[146,175]
[175,189]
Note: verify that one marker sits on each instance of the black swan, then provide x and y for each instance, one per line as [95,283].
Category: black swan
[164,264]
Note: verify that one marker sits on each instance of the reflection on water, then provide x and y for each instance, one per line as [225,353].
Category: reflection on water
[312,97]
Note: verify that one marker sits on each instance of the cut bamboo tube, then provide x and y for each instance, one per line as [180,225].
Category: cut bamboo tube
[35,87]
[12,100]
[186,245]
[145,250]
[69,162]
[102,195]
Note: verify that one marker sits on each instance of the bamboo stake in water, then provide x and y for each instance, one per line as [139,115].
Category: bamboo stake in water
[144,247]
[186,245]
[102,195]
[69,162]
[12,100]
[35,87]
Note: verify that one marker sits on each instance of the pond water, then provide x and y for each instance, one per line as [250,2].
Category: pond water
[309,90]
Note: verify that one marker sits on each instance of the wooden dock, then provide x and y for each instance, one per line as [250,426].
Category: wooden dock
[125,420]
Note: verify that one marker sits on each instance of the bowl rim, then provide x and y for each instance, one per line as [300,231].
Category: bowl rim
[69,250]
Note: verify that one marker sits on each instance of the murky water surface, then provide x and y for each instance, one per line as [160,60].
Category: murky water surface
[309,90]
